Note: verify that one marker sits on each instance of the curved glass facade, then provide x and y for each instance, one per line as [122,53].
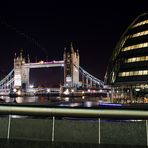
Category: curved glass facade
[128,64]
[127,71]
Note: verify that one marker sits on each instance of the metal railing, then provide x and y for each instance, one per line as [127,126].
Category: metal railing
[77,119]
[73,112]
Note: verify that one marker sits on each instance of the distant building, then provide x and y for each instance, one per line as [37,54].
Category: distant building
[128,66]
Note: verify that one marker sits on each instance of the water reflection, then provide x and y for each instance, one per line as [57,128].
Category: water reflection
[26,99]
[55,101]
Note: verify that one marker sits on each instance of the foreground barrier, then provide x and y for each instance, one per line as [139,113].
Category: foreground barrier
[92,126]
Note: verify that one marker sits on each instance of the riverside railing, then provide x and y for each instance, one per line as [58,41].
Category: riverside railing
[73,112]
[78,125]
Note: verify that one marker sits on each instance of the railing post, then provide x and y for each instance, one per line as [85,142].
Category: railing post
[146,122]
[99,131]
[9,125]
[53,122]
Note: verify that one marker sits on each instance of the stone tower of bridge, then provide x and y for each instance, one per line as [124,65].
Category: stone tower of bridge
[21,74]
[71,65]
[71,70]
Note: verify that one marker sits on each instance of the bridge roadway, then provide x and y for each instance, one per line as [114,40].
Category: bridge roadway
[43,64]
[56,92]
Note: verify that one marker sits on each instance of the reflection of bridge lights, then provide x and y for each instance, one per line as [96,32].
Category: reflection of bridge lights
[83,97]
[88,104]
[66,92]
[66,99]
[74,104]
[137,89]
[19,99]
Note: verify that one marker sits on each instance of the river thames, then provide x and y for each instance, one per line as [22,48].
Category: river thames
[53,101]
[36,132]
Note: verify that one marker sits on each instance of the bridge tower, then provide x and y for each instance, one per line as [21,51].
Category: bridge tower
[71,65]
[21,74]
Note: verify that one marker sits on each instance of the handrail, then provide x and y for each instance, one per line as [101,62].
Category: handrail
[73,112]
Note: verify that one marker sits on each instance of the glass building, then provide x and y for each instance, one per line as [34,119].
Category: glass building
[127,71]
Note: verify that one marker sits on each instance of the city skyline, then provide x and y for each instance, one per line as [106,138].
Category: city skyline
[43,30]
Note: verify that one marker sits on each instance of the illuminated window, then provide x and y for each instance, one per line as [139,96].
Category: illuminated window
[127,74]
[133,73]
[140,72]
[142,59]
[133,59]
[136,59]
[139,34]
[146,58]
[140,23]
[135,46]
[145,72]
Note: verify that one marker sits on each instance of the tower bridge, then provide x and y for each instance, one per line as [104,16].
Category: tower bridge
[18,78]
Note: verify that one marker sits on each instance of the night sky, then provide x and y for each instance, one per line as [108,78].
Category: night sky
[44,28]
